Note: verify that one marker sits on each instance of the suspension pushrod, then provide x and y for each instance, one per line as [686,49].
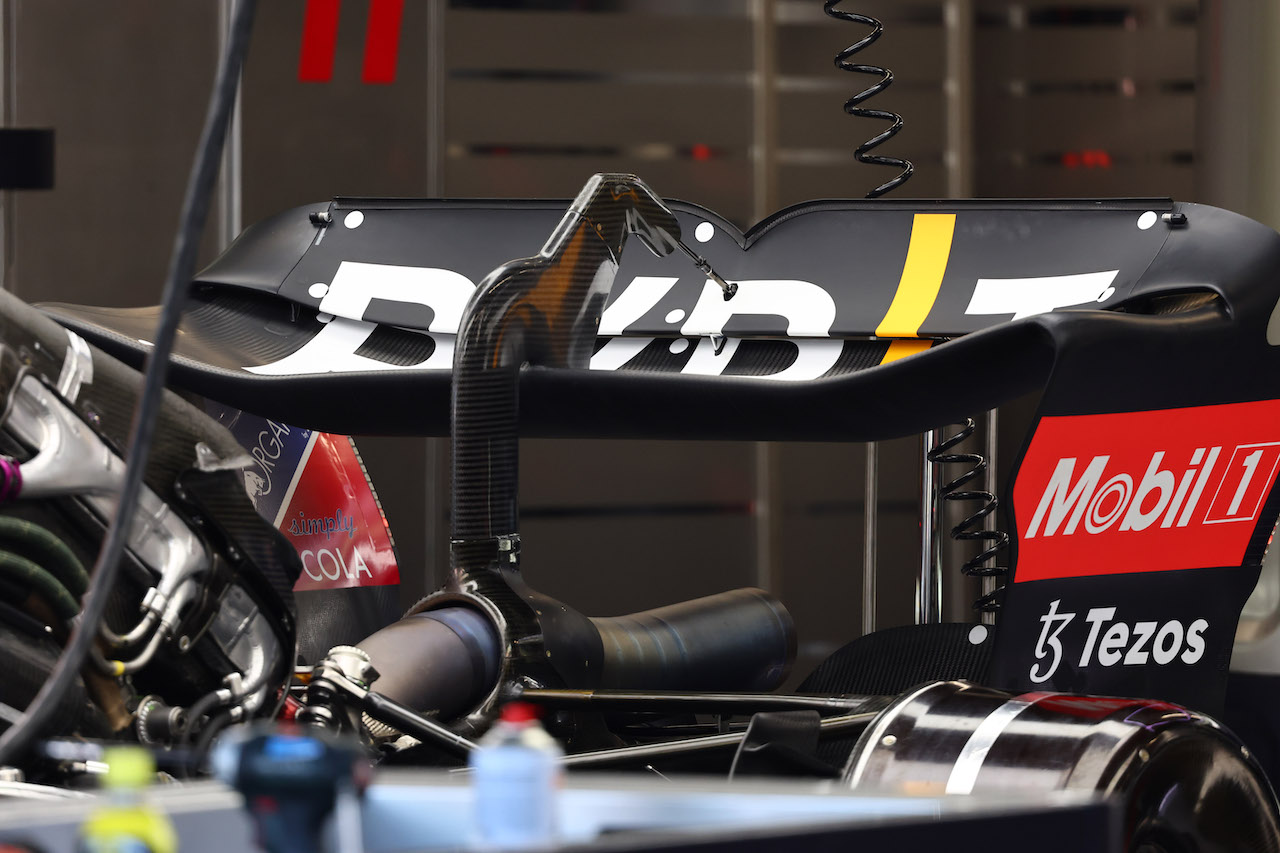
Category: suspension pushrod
[706,702]
[699,744]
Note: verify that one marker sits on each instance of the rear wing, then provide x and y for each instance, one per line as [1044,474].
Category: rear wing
[1145,494]
[304,305]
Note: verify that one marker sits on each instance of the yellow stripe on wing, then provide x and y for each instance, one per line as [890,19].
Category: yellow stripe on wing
[922,273]
[902,349]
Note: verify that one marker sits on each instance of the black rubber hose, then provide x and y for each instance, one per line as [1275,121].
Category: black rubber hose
[39,545]
[28,575]
[213,699]
[200,752]
[743,639]
[195,210]
[199,708]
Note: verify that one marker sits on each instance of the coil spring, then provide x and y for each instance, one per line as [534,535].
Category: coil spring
[852,107]
[968,529]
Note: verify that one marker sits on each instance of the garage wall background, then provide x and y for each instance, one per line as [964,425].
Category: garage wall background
[734,104]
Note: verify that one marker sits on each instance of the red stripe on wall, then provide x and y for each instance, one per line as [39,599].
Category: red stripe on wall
[319,41]
[382,41]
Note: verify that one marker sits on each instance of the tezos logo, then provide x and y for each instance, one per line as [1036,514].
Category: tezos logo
[1111,642]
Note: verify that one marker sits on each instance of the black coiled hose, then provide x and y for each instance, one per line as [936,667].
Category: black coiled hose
[968,529]
[852,106]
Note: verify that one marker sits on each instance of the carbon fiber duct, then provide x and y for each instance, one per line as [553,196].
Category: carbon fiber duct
[444,660]
[447,659]
[544,311]
[699,644]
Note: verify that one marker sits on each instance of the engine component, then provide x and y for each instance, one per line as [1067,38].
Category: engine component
[158,722]
[1185,782]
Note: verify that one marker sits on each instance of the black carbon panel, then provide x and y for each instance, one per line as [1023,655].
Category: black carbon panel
[398,347]
[109,401]
[342,617]
[859,355]
[657,356]
[258,550]
[262,327]
[762,358]
[896,659]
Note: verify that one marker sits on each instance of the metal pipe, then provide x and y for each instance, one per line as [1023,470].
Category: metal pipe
[698,744]
[394,714]
[764,125]
[405,720]
[929,585]
[765,515]
[703,702]
[957,16]
[231,175]
[8,111]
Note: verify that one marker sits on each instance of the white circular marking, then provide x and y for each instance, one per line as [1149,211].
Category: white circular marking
[679,345]
[353,219]
[324,318]
[1097,519]
[1147,219]
[704,232]
[977,635]
[676,316]
[318,290]
[1107,294]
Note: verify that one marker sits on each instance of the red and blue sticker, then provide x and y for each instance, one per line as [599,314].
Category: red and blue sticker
[315,489]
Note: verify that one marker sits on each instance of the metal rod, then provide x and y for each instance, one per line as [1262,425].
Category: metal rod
[231,175]
[701,263]
[870,509]
[929,586]
[723,702]
[698,744]
[8,118]
[958,23]
[434,532]
[766,514]
[410,722]
[437,70]
[764,129]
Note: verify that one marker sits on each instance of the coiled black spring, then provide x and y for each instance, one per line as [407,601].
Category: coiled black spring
[969,529]
[852,107]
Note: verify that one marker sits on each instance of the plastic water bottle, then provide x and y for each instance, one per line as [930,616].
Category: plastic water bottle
[124,822]
[516,780]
